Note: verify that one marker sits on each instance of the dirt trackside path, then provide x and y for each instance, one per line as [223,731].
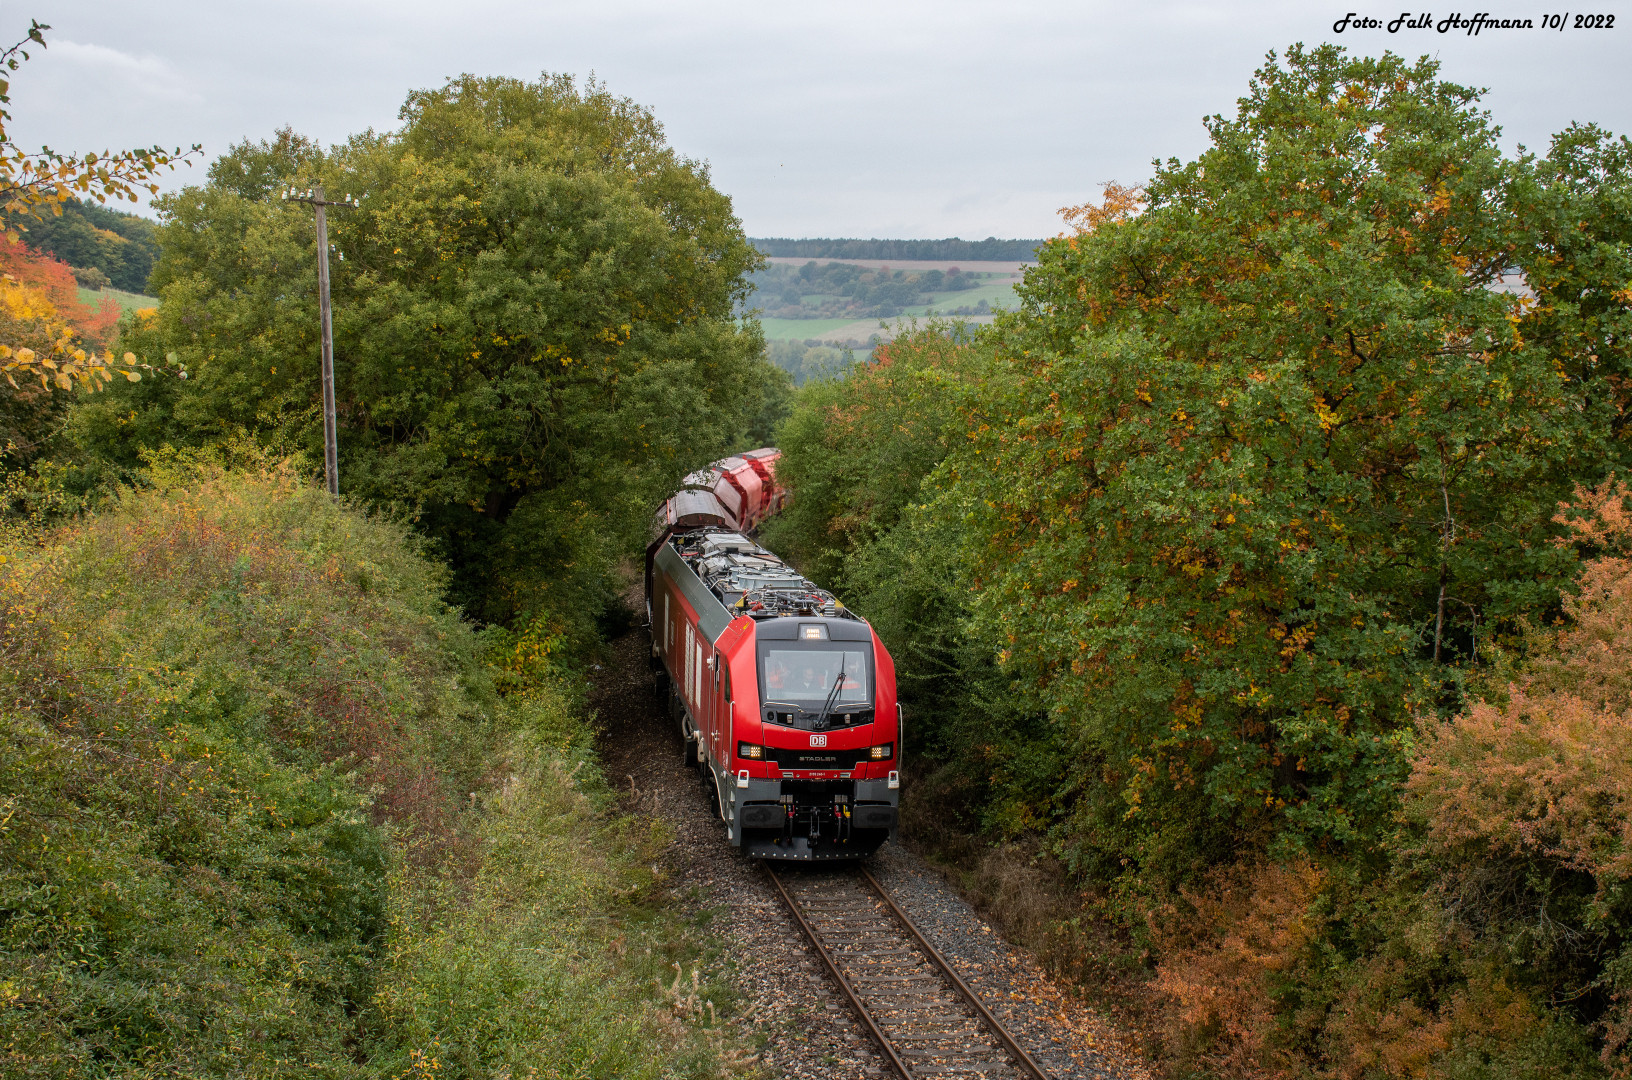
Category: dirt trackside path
[807,1030]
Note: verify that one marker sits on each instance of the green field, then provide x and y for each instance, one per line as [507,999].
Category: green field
[999,294]
[800,329]
[128,301]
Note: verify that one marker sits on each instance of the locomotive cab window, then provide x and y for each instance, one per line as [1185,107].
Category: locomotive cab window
[816,683]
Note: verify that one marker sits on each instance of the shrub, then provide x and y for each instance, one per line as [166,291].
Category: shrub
[1525,797]
[89,277]
[262,813]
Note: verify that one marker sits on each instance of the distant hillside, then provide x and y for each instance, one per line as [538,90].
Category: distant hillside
[87,236]
[989,249]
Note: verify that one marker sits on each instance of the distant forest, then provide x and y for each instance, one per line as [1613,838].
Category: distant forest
[120,248]
[990,249]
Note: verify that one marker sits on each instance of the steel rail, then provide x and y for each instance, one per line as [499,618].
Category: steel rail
[884,1045]
[1014,1048]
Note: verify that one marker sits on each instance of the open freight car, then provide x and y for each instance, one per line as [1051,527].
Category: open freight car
[783,696]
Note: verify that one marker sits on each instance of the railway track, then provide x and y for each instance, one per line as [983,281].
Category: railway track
[926,1021]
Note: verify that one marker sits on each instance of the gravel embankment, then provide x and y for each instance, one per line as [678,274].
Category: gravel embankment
[807,1029]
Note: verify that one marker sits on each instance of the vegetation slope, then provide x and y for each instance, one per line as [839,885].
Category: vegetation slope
[263,811]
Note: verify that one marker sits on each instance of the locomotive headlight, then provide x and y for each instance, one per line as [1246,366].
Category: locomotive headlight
[749,750]
[883,753]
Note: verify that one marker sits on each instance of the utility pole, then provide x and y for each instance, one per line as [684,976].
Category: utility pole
[314,196]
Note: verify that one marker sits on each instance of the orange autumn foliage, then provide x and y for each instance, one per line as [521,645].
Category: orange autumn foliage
[1120,203]
[55,280]
[1548,771]
[1251,992]
[1537,775]
[1542,775]
[46,273]
[1222,946]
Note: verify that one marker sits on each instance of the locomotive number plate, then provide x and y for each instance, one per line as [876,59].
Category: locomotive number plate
[818,740]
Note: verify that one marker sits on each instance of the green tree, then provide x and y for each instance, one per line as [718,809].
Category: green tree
[1280,453]
[533,327]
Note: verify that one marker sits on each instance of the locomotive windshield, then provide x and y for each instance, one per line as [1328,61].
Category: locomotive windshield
[810,685]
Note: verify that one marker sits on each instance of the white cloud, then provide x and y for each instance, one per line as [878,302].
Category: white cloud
[146,75]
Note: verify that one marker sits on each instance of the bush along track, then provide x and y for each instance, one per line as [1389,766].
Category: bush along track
[264,812]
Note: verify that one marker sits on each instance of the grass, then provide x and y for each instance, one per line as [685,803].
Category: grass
[128,301]
[263,812]
[995,293]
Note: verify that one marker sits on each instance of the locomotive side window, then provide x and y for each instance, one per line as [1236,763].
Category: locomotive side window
[691,668]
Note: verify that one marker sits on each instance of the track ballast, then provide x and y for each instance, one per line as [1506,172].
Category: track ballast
[926,1021]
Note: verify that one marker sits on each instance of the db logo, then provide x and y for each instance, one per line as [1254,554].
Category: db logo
[818,740]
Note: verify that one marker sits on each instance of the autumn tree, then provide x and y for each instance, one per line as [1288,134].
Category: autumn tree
[533,326]
[1283,450]
[33,182]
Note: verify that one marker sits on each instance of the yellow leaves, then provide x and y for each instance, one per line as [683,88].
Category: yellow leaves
[1121,203]
[59,362]
[617,336]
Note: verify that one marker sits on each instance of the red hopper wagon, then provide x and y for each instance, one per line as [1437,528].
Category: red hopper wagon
[781,694]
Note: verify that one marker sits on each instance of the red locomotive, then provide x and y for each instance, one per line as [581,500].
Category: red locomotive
[783,695]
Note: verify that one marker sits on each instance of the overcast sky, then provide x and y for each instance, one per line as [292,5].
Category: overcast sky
[880,118]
